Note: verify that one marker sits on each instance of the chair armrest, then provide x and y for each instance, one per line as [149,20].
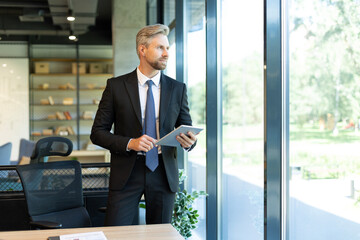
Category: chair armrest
[45,225]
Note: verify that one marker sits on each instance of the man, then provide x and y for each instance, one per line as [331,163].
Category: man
[138,166]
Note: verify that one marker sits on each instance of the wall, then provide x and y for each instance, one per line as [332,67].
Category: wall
[14,95]
[128,18]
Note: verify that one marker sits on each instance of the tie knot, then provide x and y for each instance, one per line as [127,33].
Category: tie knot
[149,82]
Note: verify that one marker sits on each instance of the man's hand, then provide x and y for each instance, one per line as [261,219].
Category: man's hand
[143,143]
[186,141]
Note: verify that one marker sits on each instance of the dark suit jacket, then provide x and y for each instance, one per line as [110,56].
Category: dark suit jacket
[120,104]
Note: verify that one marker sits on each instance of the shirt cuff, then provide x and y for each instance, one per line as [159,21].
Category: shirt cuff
[127,146]
[191,147]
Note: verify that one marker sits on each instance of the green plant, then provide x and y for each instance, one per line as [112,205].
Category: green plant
[185,216]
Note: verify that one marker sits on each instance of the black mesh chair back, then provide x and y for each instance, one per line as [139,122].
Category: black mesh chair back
[51,146]
[53,192]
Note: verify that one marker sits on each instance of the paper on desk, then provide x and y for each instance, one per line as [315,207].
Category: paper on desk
[84,236]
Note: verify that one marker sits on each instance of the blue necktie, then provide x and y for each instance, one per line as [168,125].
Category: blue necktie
[152,160]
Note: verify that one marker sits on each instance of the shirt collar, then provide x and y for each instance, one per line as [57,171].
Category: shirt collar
[142,78]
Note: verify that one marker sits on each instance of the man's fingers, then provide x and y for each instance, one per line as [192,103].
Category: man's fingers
[190,135]
[143,143]
[147,143]
[184,140]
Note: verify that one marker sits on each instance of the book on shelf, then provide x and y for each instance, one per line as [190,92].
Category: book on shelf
[64,131]
[68,101]
[51,117]
[62,86]
[47,132]
[44,101]
[57,130]
[60,116]
[88,115]
[90,85]
[70,130]
[61,130]
[70,86]
[51,100]
[44,86]
[67,115]
[36,133]
[66,86]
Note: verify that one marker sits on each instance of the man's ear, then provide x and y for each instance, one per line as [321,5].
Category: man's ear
[142,50]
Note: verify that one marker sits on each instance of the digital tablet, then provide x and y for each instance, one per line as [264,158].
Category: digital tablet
[170,138]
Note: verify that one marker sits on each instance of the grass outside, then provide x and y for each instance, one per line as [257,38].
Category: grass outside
[322,154]
[318,153]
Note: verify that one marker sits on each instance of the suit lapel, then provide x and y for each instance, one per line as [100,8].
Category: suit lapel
[132,88]
[165,96]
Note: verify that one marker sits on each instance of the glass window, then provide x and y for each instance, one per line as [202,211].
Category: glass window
[170,69]
[152,17]
[195,78]
[243,112]
[324,119]
[169,12]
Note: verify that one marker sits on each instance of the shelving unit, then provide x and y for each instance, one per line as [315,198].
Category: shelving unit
[64,95]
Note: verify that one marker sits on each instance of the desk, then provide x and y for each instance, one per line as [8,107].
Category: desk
[135,232]
[85,156]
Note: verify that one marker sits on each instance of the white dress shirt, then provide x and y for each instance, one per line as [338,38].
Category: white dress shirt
[143,88]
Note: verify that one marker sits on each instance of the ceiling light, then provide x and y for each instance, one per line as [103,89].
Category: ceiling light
[72,36]
[70,16]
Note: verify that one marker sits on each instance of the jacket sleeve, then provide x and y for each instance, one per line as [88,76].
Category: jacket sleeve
[101,132]
[184,115]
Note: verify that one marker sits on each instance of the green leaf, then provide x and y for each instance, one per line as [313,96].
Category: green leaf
[185,216]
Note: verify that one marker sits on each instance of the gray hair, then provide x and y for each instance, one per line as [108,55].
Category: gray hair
[145,34]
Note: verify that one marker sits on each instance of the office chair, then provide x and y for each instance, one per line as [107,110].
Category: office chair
[51,146]
[25,150]
[53,190]
[5,153]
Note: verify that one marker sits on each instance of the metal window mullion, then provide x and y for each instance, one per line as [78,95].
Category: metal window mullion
[180,58]
[213,120]
[77,96]
[285,121]
[276,122]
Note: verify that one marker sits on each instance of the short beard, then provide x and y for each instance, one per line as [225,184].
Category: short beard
[158,65]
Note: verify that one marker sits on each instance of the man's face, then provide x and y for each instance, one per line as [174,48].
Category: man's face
[156,54]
